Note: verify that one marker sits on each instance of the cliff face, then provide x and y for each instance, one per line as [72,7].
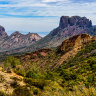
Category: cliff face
[70,26]
[66,21]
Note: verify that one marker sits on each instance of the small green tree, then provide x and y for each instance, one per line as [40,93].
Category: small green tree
[11,62]
[31,74]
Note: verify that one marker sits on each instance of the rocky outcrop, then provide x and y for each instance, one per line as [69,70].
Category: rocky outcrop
[70,26]
[7,81]
[75,42]
[66,21]
[71,46]
[94,38]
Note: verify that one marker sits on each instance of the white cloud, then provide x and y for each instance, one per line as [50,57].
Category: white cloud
[54,0]
[42,8]
[23,3]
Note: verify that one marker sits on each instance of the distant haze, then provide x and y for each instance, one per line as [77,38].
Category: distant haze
[34,25]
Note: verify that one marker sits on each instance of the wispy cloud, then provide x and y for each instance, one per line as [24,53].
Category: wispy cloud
[43,10]
[47,7]
[54,1]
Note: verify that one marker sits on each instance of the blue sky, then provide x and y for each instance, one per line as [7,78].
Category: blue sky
[42,16]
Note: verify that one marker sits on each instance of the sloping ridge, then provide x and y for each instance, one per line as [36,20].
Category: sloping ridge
[70,47]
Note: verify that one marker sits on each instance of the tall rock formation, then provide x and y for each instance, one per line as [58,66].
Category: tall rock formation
[66,21]
[68,26]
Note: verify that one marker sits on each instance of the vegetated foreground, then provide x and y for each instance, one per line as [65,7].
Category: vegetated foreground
[48,72]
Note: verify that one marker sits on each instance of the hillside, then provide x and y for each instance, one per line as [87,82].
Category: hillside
[45,75]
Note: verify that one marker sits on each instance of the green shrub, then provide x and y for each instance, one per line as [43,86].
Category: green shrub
[35,92]
[31,74]
[2,78]
[50,76]
[21,91]
[39,83]
[39,55]
[94,67]
[91,79]
[67,75]
[32,57]
[92,62]
[2,93]
[11,62]
[14,84]
[20,70]
[93,54]
[16,79]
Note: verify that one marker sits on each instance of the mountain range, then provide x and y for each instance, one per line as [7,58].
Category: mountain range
[68,26]
[16,39]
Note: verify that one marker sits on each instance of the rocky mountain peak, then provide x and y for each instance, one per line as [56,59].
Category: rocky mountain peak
[2,28]
[66,21]
[33,36]
[16,40]
[32,33]
[16,33]
[3,34]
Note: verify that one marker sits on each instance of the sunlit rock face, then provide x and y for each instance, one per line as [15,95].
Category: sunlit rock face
[75,42]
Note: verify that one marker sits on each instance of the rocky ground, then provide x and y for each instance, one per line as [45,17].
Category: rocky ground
[7,79]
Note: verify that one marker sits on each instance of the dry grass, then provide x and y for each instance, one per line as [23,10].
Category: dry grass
[82,91]
[6,80]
